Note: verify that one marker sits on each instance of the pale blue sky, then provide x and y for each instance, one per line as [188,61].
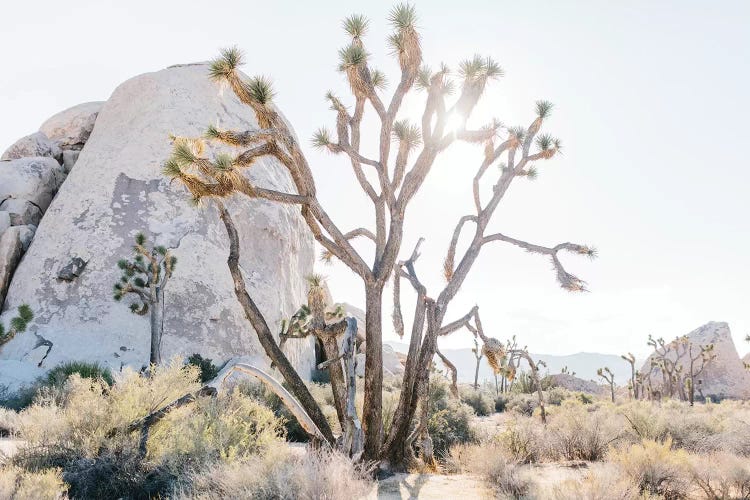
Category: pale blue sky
[650,102]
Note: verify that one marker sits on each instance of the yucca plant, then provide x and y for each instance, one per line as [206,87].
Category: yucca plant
[390,182]
[18,324]
[144,279]
[608,377]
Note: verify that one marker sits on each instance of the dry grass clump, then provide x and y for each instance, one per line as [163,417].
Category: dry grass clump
[280,474]
[656,468]
[489,461]
[524,441]
[603,483]
[19,484]
[721,475]
[578,434]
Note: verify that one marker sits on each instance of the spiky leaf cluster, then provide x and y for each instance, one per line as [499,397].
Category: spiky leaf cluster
[480,68]
[18,324]
[407,133]
[149,267]
[224,66]
[356,25]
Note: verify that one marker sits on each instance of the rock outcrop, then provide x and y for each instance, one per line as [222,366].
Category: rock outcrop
[725,376]
[71,128]
[116,190]
[36,144]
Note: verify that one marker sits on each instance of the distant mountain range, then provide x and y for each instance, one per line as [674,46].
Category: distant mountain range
[584,364]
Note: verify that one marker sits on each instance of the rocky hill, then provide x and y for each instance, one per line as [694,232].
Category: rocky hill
[725,376]
[91,179]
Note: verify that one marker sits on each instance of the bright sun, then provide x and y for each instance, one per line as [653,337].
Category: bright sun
[454,122]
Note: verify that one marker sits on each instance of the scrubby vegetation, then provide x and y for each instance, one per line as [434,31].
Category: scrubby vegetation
[79,439]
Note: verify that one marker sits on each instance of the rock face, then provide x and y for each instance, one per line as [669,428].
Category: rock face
[116,190]
[36,144]
[35,180]
[725,376]
[71,128]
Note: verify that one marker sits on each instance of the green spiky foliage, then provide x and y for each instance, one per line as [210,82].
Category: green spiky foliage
[18,324]
[228,61]
[408,133]
[144,278]
[321,138]
[143,275]
[543,108]
[356,25]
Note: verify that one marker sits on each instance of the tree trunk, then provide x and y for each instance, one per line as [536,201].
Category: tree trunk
[353,436]
[612,391]
[157,326]
[476,375]
[338,383]
[267,341]
[372,420]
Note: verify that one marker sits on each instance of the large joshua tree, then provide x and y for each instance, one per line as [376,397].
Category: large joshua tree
[145,278]
[609,377]
[405,156]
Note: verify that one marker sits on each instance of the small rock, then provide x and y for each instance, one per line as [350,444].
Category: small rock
[70,157]
[26,234]
[73,270]
[4,221]
[72,127]
[36,144]
[11,250]
[22,212]
[33,179]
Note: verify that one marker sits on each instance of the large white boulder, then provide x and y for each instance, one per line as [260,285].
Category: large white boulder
[71,128]
[725,376]
[36,144]
[117,190]
[33,179]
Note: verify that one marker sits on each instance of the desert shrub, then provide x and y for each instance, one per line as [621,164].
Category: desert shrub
[60,373]
[523,441]
[450,425]
[489,461]
[524,404]
[280,474]
[556,395]
[656,468]
[9,423]
[577,434]
[644,422]
[721,475]
[208,370]
[73,431]
[501,402]
[53,382]
[479,402]
[603,483]
[584,398]
[19,484]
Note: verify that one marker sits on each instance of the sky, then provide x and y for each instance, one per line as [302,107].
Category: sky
[650,103]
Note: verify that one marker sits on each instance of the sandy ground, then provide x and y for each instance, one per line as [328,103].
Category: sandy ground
[430,487]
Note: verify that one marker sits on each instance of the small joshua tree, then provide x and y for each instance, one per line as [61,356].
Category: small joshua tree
[479,355]
[609,377]
[17,325]
[145,277]
[699,356]
[633,385]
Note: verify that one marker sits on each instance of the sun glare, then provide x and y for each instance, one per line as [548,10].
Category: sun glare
[454,122]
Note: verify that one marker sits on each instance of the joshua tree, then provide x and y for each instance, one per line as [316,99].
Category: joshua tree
[609,377]
[479,355]
[145,277]
[699,356]
[390,180]
[666,358]
[18,324]
[633,374]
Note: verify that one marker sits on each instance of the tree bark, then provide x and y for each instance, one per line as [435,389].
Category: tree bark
[372,420]
[338,383]
[157,326]
[267,341]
